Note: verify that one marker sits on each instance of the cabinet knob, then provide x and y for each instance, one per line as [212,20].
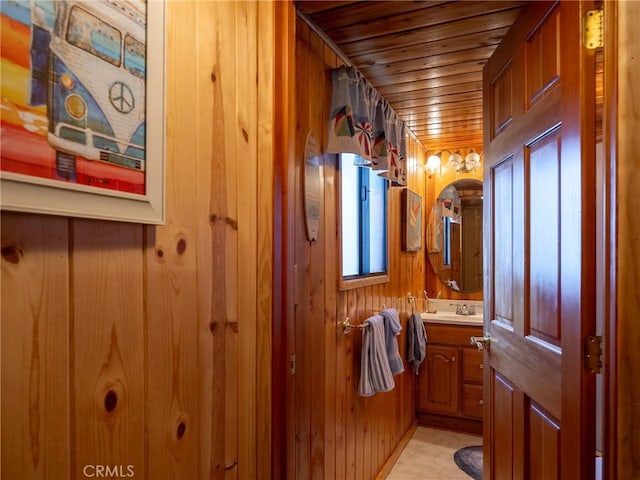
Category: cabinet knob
[481,402]
[481,366]
[453,359]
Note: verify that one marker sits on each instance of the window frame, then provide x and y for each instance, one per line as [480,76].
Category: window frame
[369,279]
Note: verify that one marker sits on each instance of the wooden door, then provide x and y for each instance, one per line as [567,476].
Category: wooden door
[539,211]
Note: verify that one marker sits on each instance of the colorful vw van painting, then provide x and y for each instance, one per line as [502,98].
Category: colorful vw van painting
[78,67]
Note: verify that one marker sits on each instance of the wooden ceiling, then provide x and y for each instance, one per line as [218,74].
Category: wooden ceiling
[424,57]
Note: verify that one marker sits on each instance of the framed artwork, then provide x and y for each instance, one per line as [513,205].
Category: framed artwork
[411,221]
[82,119]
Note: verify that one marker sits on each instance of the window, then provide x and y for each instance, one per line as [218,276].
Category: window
[134,56]
[91,34]
[364,224]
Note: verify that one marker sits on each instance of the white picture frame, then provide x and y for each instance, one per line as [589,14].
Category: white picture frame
[34,194]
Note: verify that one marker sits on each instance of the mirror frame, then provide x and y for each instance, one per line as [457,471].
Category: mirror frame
[435,229]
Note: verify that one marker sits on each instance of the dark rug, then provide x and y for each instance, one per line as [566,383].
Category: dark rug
[469,459]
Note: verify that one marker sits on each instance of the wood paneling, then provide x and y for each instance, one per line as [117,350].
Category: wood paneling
[339,434]
[419,53]
[36,356]
[129,345]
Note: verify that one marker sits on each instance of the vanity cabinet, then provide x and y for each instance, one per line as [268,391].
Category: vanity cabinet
[449,386]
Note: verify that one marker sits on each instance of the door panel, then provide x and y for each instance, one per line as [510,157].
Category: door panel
[539,248]
[544,223]
[502,414]
[544,444]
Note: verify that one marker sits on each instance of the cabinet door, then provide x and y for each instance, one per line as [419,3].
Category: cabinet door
[438,384]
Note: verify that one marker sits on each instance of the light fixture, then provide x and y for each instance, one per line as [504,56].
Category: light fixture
[470,162]
[433,163]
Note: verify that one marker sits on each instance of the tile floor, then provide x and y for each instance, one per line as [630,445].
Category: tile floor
[429,456]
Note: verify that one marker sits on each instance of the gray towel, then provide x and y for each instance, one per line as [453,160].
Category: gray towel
[416,341]
[392,328]
[375,374]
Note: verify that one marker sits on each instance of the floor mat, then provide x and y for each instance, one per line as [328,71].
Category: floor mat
[469,460]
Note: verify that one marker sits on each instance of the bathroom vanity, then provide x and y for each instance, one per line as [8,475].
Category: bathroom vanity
[449,390]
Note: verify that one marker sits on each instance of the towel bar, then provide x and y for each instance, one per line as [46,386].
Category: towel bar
[411,300]
[347,325]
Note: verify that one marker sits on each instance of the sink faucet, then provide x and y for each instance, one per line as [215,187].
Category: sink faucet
[464,309]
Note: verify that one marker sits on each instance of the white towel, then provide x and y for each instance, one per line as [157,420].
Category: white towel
[416,341]
[375,374]
[392,329]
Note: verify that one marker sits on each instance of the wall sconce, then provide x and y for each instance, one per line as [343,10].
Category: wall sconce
[470,162]
[433,163]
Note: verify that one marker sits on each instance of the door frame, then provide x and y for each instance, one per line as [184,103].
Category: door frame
[622,256]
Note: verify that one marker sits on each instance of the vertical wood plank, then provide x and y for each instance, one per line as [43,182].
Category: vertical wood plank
[265,225]
[34,332]
[216,444]
[108,346]
[304,372]
[318,253]
[246,144]
[171,259]
[209,194]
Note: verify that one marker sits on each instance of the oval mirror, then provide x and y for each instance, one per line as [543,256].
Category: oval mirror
[454,236]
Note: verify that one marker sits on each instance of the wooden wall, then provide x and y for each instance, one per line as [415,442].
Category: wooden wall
[339,434]
[131,345]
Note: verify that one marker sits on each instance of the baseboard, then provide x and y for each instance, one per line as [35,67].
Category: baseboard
[457,424]
[393,458]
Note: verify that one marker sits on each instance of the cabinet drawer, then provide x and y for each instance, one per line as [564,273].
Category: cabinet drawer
[451,334]
[472,400]
[472,364]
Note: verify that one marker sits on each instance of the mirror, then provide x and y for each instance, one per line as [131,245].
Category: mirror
[454,236]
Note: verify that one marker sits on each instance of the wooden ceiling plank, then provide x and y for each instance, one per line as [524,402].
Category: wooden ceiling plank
[474,87]
[427,120]
[436,100]
[454,59]
[343,14]
[450,142]
[391,21]
[440,107]
[440,82]
[449,129]
[424,36]
[311,8]
[422,113]
[435,47]
[450,72]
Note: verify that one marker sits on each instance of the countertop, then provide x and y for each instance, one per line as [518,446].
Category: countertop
[450,318]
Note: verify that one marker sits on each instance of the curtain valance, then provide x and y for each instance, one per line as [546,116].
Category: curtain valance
[364,124]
